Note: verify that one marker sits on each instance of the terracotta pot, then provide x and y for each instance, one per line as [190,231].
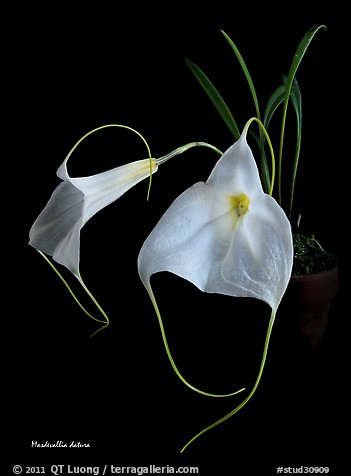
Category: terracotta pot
[308,299]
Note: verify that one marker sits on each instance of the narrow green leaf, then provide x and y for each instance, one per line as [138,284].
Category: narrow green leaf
[277,98]
[246,72]
[215,97]
[296,100]
[301,50]
[297,103]
[273,103]
[263,160]
[299,54]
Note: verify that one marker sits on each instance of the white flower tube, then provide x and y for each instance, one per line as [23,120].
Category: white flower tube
[56,231]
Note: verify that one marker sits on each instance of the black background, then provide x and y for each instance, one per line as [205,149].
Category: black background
[71,70]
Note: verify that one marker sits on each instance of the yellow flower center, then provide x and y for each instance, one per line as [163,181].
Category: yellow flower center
[239,205]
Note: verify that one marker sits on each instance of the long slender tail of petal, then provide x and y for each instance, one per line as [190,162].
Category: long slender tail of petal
[170,357]
[244,402]
[105,321]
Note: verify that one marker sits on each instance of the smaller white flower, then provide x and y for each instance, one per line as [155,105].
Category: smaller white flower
[56,231]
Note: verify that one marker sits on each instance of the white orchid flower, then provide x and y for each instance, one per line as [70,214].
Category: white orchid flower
[225,236]
[56,231]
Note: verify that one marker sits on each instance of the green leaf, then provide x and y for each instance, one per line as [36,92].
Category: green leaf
[215,97]
[301,50]
[246,72]
[273,103]
[299,54]
[296,99]
[263,160]
[277,98]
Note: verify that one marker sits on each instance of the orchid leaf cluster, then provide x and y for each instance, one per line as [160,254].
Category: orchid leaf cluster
[287,91]
[227,235]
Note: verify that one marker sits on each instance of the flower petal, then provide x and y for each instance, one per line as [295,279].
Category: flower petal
[182,240]
[259,259]
[236,171]
[57,227]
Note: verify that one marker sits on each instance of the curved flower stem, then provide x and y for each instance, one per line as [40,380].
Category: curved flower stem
[184,148]
[106,319]
[169,355]
[247,125]
[244,402]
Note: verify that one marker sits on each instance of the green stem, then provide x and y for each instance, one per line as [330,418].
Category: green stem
[184,148]
[242,404]
[246,127]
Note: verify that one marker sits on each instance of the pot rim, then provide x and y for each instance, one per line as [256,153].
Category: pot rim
[316,276]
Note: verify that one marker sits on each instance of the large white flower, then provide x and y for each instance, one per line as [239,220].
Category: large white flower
[56,231]
[226,235]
